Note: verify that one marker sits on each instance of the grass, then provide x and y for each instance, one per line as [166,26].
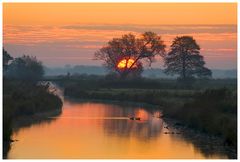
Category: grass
[213,111]
[96,81]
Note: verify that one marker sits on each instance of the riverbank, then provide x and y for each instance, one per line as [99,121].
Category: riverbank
[27,101]
[211,111]
[207,143]
[28,120]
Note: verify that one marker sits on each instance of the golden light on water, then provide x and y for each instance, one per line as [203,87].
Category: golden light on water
[126,63]
[83,126]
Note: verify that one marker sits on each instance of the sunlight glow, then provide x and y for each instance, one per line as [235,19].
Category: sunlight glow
[126,63]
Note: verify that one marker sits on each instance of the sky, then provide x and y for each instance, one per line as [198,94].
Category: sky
[69,33]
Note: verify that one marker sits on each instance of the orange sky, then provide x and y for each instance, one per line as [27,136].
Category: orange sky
[70,33]
[119,13]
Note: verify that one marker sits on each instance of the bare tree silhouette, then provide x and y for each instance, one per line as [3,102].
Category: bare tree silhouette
[124,55]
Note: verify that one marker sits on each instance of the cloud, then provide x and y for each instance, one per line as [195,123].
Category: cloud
[217,42]
[221,50]
[160,29]
[33,35]
[39,34]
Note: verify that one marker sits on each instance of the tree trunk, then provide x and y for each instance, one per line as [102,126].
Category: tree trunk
[183,65]
[184,71]
[123,75]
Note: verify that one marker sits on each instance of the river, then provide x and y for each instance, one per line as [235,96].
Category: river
[99,130]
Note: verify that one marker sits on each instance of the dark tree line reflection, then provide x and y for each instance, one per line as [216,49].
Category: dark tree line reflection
[144,130]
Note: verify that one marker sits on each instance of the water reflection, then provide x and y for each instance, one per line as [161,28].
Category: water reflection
[25,122]
[148,127]
[209,146]
[100,130]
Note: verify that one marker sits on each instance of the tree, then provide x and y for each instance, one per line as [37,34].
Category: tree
[125,55]
[185,60]
[25,68]
[6,59]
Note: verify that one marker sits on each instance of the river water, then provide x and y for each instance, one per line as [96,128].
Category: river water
[103,130]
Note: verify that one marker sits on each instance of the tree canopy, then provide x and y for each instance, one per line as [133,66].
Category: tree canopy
[26,68]
[6,58]
[185,60]
[125,55]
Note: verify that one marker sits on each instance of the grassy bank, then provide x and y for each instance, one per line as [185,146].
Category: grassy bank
[213,111]
[24,99]
[202,106]
[99,82]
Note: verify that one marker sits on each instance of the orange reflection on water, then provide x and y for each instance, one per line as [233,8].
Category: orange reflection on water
[97,130]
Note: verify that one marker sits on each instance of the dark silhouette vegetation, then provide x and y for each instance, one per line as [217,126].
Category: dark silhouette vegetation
[24,96]
[213,111]
[185,60]
[6,59]
[25,68]
[124,56]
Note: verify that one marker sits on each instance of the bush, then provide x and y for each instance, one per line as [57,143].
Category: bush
[213,111]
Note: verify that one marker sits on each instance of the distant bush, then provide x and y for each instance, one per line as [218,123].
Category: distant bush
[25,68]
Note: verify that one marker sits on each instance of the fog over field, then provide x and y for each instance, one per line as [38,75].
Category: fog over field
[150,72]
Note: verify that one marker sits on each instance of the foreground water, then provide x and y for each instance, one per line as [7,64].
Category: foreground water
[102,130]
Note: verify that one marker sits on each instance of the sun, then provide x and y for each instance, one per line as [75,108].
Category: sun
[126,63]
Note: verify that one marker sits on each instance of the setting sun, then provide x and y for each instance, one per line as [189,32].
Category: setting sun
[124,63]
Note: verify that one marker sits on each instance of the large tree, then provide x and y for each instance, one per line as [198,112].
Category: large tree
[125,55]
[185,60]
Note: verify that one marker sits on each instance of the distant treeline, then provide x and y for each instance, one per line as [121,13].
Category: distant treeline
[149,73]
